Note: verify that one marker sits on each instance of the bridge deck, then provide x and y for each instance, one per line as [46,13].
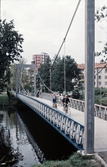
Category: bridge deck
[100,125]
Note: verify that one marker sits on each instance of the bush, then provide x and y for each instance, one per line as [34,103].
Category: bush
[4,99]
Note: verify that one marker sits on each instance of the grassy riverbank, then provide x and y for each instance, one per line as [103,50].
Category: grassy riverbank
[76,160]
[7,101]
[4,99]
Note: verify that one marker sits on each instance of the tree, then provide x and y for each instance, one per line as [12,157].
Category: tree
[54,75]
[43,76]
[13,77]
[101,15]
[71,71]
[10,50]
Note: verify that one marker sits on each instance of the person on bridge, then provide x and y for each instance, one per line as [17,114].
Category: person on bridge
[54,100]
[65,102]
[38,93]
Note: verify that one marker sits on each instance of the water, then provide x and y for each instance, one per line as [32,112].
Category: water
[31,138]
[20,139]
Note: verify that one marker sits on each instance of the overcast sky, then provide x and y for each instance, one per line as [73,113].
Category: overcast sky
[44,23]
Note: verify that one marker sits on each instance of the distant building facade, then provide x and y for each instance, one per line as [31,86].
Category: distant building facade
[100,74]
[39,59]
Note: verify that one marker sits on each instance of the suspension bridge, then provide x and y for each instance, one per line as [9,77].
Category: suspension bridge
[85,130]
[85,125]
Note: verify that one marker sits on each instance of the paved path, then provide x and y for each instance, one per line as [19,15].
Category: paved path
[100,141]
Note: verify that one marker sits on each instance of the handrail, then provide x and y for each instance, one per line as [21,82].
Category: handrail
[99,110]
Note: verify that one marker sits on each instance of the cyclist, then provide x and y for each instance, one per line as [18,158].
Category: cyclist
[65,102]
[54,100]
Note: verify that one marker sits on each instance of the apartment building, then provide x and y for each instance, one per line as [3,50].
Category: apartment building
[39,59]
[100,74]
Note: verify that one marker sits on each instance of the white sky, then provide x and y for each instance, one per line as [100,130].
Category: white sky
[44,23]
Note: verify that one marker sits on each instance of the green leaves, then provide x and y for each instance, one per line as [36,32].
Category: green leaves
[53,77]
[10,48]
[68,66]
[101,14]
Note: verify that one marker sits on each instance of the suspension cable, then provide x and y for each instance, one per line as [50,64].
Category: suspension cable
[62,42]
[64,71]
[67,31]
[65,34]
[45,84]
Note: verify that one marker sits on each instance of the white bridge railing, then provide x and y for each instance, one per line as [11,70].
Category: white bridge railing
[99,110]
[69,128]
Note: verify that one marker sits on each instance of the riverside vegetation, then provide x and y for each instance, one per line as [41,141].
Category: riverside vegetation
[76,160]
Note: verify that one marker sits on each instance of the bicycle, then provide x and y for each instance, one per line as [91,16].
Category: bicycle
[65,107]
[54,105]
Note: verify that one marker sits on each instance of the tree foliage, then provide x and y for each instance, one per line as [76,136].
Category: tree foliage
[43,76]
[101,16]
[13,77]
[54,75]
[64,71]
[10,50]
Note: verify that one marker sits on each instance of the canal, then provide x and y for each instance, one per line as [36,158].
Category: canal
[31,139]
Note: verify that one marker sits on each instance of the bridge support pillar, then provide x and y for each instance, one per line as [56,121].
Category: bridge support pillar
[33,66]
[89,76]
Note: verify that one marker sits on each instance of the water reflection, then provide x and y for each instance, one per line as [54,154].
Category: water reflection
[27,134]
[39,153]
[17,136]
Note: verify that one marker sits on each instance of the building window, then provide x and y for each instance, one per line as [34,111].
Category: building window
[99,83]
[105,76]
[99,77]
[105,83]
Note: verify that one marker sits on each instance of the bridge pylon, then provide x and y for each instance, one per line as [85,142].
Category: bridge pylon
[18,66]
[89,75]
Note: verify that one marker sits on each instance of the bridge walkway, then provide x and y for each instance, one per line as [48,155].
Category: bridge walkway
[100,141]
